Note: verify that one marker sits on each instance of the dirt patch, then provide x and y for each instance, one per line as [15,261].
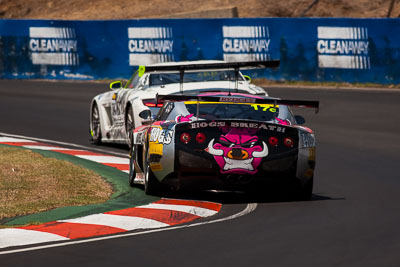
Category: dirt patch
[133,9]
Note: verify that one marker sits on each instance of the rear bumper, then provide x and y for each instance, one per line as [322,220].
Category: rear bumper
[201,172]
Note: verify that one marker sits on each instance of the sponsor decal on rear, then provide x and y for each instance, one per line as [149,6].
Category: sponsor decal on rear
[161,136]
[156,167]
[308,140]
[246,43]
[148,45]
[239,151]
[53,46]
[236,99]
[343,47]
[250,125]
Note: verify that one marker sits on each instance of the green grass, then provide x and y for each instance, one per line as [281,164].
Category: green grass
[30,183]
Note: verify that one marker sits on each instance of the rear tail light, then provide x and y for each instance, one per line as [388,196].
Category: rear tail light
[200,138]
[185,138]
[273,141]
[152,103]
[288,142]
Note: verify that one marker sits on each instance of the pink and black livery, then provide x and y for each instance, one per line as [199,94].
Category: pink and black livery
[233,153]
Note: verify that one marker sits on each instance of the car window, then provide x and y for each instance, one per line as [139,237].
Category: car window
[259,112]
[165,112]
[133,82]
[203,76]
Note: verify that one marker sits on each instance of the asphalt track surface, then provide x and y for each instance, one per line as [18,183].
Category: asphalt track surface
[352,220]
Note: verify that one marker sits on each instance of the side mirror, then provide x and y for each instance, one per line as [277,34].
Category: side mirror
[116,85]
[299,119]
[247,78]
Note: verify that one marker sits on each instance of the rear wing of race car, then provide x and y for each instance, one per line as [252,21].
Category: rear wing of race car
[215,66]
[233,99]
[236,66]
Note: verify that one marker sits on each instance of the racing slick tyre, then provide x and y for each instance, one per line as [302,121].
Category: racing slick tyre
[151,185]
[132,171]
[129,125]
[95,127]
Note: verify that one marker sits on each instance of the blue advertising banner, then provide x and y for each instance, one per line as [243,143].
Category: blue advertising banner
[310,49]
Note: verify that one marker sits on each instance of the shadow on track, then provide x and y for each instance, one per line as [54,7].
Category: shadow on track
[238,197]
[241,197]
[111,145]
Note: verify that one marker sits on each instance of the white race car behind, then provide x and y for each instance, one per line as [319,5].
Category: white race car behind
[114,114]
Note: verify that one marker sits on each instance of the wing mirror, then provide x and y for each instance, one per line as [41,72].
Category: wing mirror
[116,85]
[299,119]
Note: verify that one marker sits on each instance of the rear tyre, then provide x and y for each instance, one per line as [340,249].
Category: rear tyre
[132,171]
[95,127]
[151,184]
[129,125]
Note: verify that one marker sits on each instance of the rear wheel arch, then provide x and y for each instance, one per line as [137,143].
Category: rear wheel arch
[127,106]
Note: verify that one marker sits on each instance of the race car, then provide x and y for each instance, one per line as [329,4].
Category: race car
[115,113]
[224,141]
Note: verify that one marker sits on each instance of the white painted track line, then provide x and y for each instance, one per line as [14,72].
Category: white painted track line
[22,137]
[51,148]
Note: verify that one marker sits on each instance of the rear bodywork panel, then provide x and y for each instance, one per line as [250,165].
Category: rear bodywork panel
[228,154]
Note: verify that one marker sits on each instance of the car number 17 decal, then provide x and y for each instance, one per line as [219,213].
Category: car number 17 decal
[265,107]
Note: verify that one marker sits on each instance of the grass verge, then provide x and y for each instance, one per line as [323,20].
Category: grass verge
[30,183]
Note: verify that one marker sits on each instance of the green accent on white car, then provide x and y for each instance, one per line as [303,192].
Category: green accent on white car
[141,70]
[115,85]
[248,78]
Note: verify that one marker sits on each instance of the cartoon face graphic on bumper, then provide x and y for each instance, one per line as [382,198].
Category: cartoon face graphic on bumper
[237,152]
